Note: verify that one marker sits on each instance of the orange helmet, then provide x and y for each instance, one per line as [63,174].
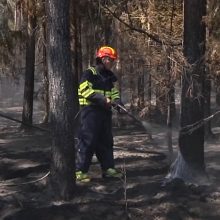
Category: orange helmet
[106,51]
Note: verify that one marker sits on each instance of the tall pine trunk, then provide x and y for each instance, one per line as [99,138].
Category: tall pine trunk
[207,105]
[63,103]
[140,86]
[27,114]
[190,165]
[45,77]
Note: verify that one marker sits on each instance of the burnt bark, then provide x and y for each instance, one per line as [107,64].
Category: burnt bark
[207,105]
[27,113]
[63,103]
[190,163]
[45,78]
[77,47]
[141,89]
[148,85]
[217,87]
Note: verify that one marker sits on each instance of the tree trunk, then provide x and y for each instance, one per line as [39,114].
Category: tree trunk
[217,87]
[170,115]
[45,78]
[207,105]
[171,107]
[27,113]
[107,31]
[87,40]
[77,47]
[63,103]
[190,165]
[77,52]
[169,133]
[141,86]
[148,85]
[161,102]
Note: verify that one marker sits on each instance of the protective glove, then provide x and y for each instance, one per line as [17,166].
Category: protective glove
[108,103]
[100,100]
[116,104]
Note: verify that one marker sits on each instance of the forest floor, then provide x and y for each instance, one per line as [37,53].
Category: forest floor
[141,194]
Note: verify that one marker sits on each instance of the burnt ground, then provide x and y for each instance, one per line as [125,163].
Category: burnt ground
[141,194]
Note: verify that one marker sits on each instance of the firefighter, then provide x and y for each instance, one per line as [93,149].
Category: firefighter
[97,94]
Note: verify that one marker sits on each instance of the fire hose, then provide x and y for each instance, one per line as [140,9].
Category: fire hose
[3,115]
[142,124]
[186,130]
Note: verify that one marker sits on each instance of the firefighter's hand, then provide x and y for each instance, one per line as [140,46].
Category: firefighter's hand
[108,103]
[121,109]
[116,102]
[119,106]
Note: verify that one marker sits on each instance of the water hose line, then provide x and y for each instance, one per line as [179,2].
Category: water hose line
[3,115]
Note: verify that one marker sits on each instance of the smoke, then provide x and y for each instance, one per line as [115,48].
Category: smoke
[147,126]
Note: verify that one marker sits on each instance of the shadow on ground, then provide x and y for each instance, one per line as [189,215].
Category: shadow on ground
[139,195]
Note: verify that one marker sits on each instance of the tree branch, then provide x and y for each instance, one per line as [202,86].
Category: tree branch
[154,37]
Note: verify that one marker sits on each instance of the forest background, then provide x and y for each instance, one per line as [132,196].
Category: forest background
[155,60]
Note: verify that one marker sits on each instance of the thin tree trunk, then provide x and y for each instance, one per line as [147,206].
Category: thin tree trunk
[78,48]
[217,86]
[148,85]
[207,105]
[107,31]
[169,132]
[63,103]
[170,106]
[170,98]
[76,34]
[45,78]
[77,51]
[27,113]
[141,89]
[161,102]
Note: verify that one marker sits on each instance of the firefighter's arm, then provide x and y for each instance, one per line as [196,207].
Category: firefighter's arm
[115,97]
[115,94]
[100,99]
[86,90]
[116,101]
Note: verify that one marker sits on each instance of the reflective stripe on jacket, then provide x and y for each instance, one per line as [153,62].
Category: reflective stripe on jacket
[95,86]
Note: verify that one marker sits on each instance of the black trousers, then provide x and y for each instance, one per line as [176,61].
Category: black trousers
[95,136]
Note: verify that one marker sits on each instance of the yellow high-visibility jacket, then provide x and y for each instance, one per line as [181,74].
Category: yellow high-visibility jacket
[95,86]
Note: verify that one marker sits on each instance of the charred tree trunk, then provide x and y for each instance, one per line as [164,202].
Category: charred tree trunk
[170,99]
[87,40]
[148,86]
[107,31]
[27,113]
[171,107]
[189,165]
[63,103]
[207,105]
[217,87]
[77,47]
[141,87]
[161,102]
[45,78]
[77,52]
